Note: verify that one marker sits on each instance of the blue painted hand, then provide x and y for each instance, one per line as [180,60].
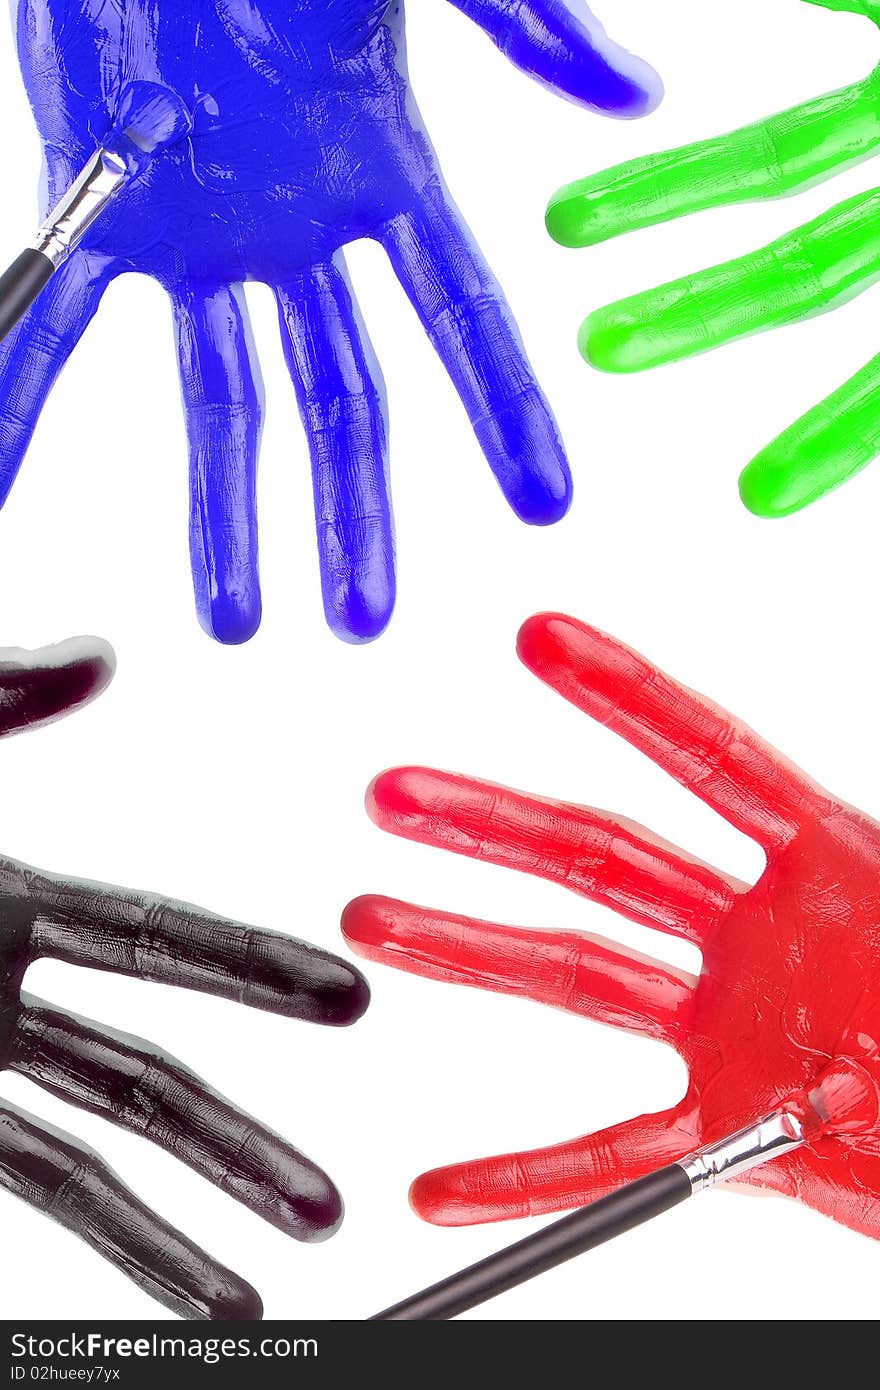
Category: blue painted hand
[305,136]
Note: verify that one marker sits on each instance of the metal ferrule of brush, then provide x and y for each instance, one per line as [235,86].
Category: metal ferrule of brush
[68,223]
[778,1134]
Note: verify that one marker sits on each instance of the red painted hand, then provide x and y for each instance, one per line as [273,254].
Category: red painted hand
[791,966]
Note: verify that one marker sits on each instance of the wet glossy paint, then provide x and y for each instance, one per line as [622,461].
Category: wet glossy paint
[811,270]
[127,1080]
[306,136]
[791,965]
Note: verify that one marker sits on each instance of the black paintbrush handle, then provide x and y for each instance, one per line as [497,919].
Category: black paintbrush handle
[20,285]
[611,1216]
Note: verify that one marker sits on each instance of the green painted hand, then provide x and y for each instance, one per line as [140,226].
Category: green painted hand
[813,269]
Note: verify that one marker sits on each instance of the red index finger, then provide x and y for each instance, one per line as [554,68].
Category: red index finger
[585,975]
[609,860]
[715,755]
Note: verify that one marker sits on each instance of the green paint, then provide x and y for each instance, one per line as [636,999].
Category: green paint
[811,270]
[770,159]
[825,448]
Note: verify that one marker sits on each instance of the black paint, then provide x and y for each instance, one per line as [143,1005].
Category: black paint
[127,1080]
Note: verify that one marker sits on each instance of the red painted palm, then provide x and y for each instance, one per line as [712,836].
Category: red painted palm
[791,966]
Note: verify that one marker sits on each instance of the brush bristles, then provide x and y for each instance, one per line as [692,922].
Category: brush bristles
[846,1101]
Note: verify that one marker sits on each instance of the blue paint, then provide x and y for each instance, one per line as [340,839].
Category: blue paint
[149,118]
[305,136]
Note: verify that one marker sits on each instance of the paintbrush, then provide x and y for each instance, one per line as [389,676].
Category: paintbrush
[844,1102]
[149,119]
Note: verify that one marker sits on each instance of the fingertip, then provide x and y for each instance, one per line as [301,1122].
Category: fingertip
[359,612]
[646,90]
[753,493]
[234,1300]
[581,663]
[578,215]
[530,638]
[544,640]
[375,797]
[544,499]
[622,86]
[382,929]
[591,340]
[38,687]
[440,1197]
[231,624]
[362,924]
[89,663]
[300,1199]
[297,980]
[89,673]
[321,1213]
[523,445]
[355,635]
[540,487]
[655,91]
[344,996]
[398,799]
[609,340]
[358,998]
[573,55]
[567,221]
[771,488]
[103,660]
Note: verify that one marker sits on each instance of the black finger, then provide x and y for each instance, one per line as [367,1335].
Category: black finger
[128,1081]
[174,943]
[70,1183]
[37,687]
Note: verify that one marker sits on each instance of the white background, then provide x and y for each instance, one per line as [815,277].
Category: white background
[234,778]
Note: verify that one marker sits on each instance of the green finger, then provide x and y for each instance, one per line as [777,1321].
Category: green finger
[822,450]
[869,8]
[767,160]
[813,269]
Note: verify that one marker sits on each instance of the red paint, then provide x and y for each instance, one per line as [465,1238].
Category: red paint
[791,966]
[846,1101]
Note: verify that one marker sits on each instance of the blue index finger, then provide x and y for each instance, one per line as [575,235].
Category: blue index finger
[573,56]
[468,321]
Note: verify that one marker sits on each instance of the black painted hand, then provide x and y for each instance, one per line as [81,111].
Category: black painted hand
[127,1080]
